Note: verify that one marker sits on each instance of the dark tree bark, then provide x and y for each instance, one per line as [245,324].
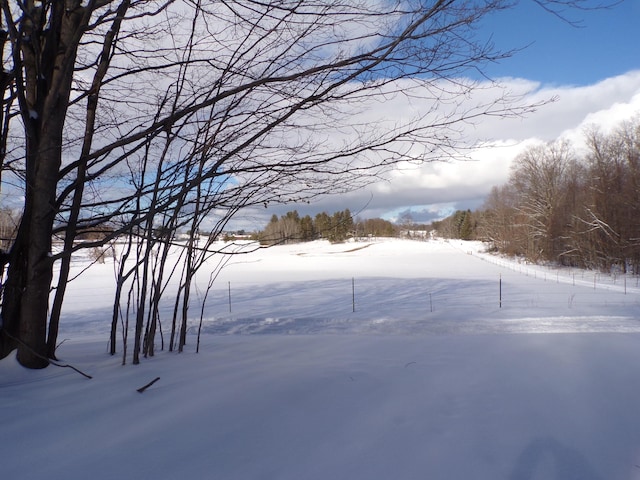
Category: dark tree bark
[44,46]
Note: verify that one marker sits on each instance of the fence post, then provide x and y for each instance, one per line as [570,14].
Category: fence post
[353,294]
[500,290]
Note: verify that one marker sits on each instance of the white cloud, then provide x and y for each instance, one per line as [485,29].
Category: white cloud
[435,189]
[605,104]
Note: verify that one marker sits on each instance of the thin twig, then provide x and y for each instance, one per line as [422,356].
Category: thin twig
[50,360]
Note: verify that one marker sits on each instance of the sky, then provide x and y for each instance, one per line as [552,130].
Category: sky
[587,60]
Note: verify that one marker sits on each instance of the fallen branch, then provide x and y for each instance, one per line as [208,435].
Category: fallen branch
[142,389]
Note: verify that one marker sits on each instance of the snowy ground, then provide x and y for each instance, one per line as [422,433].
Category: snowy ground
[454,365]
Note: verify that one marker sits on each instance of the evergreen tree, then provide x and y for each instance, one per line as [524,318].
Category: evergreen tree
[307,230]
[323,225]
[466,227]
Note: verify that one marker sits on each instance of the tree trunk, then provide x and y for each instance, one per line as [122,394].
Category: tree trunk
[36,267]
[44,58]
[32,350]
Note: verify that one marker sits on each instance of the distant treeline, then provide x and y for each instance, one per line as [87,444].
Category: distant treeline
[292,228]
[463,224]
[576,209]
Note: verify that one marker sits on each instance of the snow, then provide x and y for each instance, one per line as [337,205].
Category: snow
[429,378]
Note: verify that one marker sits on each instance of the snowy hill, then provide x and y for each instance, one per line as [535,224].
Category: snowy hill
[372,360]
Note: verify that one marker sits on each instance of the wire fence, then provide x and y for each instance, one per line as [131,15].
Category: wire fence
[505,291]
[512,288]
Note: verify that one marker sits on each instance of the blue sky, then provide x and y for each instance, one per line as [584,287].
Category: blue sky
[605,42]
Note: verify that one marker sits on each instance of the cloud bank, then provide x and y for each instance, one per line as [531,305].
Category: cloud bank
[436,189]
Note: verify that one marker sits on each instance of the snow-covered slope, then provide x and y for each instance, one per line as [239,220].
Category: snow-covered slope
[454,365]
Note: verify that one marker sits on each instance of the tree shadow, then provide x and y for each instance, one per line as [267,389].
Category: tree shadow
[547,458]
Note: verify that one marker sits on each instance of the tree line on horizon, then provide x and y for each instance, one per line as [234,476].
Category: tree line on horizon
[337,227]
[574,208]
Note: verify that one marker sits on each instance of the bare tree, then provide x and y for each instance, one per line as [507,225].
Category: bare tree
[8,226]
[147,114]
[576,211]
[609,219]
[539,176]
[500,223]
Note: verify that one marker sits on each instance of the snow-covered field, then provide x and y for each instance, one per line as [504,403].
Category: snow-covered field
[373,360]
